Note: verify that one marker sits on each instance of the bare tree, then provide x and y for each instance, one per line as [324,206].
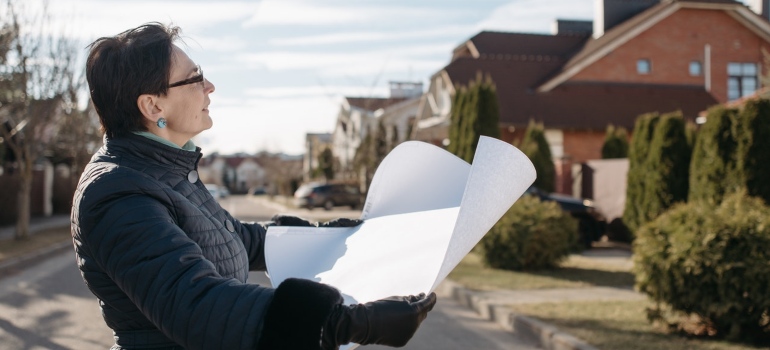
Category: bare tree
[37,70]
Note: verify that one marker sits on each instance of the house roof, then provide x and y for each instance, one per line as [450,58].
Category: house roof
[501,43]
[573,105]
[372,103]
[597,48]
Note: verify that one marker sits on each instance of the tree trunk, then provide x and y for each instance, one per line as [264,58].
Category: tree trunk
[24,197]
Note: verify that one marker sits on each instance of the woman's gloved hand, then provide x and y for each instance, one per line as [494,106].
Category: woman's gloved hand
[392,321]
[288,220]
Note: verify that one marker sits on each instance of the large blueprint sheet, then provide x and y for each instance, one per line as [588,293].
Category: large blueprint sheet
[424,212]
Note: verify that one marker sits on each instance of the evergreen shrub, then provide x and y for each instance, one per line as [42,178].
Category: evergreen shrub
[615,143]
[637,170]
[713,169]
[667,167]
[533,234]
[709,263]
[537,149]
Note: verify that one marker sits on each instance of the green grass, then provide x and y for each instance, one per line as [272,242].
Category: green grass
[617,325]
[607,325]
[575,272]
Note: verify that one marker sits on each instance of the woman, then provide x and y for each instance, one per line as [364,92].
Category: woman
[166,262]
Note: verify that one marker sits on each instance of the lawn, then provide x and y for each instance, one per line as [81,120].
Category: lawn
[616,325]
[603,324]
[575,272]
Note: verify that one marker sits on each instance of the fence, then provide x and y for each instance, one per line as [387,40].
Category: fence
[52,192]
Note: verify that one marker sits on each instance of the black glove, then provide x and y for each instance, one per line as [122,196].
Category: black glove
[392,321]
[288,220]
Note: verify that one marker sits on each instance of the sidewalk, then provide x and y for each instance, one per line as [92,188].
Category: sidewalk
[36,224]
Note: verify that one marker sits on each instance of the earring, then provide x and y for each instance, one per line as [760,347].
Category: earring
[161,122]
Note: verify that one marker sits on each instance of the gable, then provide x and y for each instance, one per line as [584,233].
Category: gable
[664,15]
[672,44]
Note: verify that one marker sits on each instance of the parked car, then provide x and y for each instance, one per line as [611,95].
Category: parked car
[217,191]
[591,223]
[256,191]
[328,196]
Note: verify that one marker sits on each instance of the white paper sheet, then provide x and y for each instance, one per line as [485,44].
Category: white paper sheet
[425,211]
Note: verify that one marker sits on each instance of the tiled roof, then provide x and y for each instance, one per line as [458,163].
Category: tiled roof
[372,103]
[574,105]
[496,43]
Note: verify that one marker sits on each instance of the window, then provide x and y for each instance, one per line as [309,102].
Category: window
[643,66]
[741,80]
[696,68]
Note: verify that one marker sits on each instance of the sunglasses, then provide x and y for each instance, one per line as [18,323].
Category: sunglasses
[196,79]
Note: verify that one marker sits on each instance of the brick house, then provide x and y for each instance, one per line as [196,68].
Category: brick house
[637,56]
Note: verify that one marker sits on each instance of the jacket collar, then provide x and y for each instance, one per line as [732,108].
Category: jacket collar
[141,149]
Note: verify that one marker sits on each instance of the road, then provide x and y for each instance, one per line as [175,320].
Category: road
[47,306]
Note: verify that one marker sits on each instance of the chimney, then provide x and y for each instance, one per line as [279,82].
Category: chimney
[609,13]
[761,7]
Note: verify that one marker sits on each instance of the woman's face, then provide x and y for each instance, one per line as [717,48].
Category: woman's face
[185,107]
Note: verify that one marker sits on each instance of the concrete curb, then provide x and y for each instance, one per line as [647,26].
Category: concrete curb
[548,336]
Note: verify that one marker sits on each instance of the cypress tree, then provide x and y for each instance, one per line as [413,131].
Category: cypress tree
[458,100]
[637,167]
[536,147]
[615,143]
[691,131]
[470,116]
[713,165]
[668,163]
[475,112]
[488,122]
[753,149]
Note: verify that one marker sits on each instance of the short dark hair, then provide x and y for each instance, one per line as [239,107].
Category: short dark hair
[121,68]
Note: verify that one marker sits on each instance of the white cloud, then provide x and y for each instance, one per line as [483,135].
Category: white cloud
[226,43]
[536,16]
[95,18]
[368,37]
[332,92]
[306,13]
[296,60]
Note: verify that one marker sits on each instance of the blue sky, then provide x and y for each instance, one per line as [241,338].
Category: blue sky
[281,67]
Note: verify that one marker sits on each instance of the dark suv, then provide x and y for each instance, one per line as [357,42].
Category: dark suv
[591,224]
[328,196]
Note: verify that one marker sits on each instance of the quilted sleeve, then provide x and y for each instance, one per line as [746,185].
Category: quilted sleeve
[253,236]
[135,241]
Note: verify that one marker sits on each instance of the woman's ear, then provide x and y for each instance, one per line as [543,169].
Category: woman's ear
[148,105]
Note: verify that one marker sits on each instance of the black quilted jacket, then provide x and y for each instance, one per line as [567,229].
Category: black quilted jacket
[166,262]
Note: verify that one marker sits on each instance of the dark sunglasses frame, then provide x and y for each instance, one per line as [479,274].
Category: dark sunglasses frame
[196,79]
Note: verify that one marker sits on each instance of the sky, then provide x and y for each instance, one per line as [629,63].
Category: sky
[282,67]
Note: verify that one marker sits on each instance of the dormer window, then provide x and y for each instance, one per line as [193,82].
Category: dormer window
[643,66]
[696,68]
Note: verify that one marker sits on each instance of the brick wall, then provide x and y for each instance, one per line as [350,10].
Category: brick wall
[673,43]
[583,145]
